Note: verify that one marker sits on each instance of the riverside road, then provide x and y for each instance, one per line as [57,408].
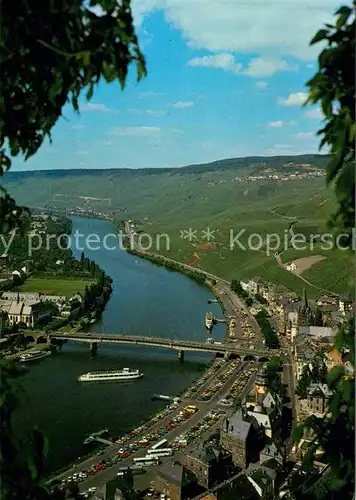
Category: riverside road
[203,409]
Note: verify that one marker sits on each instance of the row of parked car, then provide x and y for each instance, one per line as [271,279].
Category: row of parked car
[219,381]
[193,389]
[202,426]
[240,383]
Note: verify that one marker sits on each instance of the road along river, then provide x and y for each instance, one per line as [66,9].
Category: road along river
[146,300]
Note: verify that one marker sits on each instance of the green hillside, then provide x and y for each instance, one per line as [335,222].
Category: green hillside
[228,195]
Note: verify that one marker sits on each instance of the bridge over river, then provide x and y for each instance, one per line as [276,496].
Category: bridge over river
[223,348]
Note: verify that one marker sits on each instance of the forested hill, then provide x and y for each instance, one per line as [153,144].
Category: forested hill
[253,162]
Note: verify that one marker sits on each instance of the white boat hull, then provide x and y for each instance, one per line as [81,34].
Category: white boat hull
[109,378]
[26,359]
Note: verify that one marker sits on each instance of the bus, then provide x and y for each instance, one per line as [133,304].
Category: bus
[147,460]
[162,452]
[159,444]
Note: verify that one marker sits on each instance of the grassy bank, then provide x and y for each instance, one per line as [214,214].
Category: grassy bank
[54,286]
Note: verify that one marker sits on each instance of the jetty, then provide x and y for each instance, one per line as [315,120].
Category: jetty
[163,397]
[96,436]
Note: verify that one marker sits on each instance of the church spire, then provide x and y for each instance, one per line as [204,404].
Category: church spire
[305,300]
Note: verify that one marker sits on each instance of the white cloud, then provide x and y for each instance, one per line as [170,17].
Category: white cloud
[270,28]
[94,106]
[256,67]
[183,104]
[155,112]
[277,150]
[281,124]
[296,99]
[267,67]
[137,131]
[222,61]
[306,135]
[143,95]
[314,114]
[150,112]
[261,85]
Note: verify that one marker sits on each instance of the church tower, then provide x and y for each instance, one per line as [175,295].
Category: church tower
[304,311]
[261,384]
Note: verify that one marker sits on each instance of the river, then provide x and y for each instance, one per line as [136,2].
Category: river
[146,300]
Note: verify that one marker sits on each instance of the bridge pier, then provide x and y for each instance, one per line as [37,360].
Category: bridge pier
[93,347]
[181,356]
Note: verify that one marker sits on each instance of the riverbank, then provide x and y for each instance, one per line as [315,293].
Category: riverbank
[181,424]
[201,277]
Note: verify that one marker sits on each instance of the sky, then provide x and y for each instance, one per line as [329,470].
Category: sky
[226,78]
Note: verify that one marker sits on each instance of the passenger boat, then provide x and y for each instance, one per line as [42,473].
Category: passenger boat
[111,375]
[33,356]
[209,321]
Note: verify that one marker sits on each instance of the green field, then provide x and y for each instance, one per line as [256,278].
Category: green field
[216,196]
[54,286]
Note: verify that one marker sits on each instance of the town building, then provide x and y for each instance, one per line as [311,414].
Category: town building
[346,303]
[4,258]
[108,491]
[261,384]
[332,359]
[262,419]
[241,437]
[317,332]
[303,355]
[291,266]
[273,450]
[237,487]
[316,402]
[174,481]
[263,478]
[208,463]
[19,312]
[266,410]
[252,285]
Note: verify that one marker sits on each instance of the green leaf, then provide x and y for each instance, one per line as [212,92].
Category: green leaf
[320,35]
[86,58]
[90,92]
[336,483]
[335,375]
[298,432]
[343,13]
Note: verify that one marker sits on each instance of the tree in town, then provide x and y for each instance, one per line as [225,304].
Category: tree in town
[60,53]
[304,382]
[319,369]
[249,301]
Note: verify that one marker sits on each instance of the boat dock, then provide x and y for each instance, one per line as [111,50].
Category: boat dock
[220,320]
[163,397]
[103,441]
[96,436]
